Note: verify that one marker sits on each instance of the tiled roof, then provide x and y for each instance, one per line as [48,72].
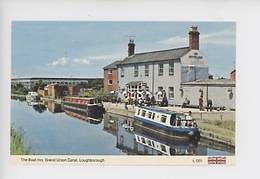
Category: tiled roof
[112,65]
[156,56]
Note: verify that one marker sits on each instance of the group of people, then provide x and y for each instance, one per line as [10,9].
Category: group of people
[151,102]
[139,102]
[209,104]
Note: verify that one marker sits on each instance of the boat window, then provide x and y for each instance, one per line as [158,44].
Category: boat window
[163,119]
[138,112]
[153,144]
[143,113]
[181,116]
[153,115]
[143,140]
[163,148]
[172,120]
[149,143]
[178,121]
[149,114]
[138,138]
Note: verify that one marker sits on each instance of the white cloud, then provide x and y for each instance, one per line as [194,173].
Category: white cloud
[82,61]
[224,37]
[177,40]
[60,62]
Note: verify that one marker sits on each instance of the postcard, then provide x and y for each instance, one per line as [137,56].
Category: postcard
[123,93]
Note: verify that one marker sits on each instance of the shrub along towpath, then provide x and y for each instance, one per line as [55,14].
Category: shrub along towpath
[218,126]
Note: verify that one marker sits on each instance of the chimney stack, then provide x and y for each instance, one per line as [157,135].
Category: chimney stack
[194,38]
[131,48]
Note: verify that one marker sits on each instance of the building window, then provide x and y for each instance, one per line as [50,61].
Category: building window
[160,69]
[110,82]
[171,92]
[110,71]
[136,71]
[171,68]
[146,70]
[122,72]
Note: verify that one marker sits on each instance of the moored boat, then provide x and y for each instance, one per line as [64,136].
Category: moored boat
[32,96]
[84,104]
[171,124]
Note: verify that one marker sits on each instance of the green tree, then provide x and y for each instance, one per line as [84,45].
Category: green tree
[38,85]
[19,89]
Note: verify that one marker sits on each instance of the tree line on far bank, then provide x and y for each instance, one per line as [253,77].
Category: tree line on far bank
[93,89]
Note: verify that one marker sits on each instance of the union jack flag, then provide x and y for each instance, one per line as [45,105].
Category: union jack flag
[216,160]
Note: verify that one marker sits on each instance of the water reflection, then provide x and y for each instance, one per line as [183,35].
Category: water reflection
[91,117]
[117,135]
[134,140]
[40,108]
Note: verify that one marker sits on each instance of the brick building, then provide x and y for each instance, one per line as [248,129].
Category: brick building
[110,77]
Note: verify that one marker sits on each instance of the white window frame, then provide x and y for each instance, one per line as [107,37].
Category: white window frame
[171,92]
[171,68]
[160,69]
[109,82]
[136,70]
[146,70]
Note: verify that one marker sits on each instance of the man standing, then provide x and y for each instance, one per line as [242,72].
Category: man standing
[209,105]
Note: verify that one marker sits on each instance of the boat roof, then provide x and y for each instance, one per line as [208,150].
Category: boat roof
[80,97]
[157,110]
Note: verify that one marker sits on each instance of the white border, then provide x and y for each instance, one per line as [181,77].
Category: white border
[248,35]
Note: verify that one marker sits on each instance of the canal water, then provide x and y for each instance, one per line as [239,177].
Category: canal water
[49,130]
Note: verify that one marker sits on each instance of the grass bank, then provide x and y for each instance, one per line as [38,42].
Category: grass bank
[225,124]
[17,146]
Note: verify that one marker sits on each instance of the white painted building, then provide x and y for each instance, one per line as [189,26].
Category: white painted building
[222,92]
[177,73]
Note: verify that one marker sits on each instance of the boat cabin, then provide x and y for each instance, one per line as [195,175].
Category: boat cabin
[82,100]
[168,118]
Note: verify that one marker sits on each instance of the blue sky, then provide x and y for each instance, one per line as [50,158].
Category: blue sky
[83,48]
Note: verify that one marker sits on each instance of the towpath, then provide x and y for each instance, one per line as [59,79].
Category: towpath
[206,120]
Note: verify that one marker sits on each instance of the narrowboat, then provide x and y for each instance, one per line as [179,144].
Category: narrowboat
[179,126]
[85,104]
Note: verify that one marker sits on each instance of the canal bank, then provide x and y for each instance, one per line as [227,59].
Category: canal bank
[217,126]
